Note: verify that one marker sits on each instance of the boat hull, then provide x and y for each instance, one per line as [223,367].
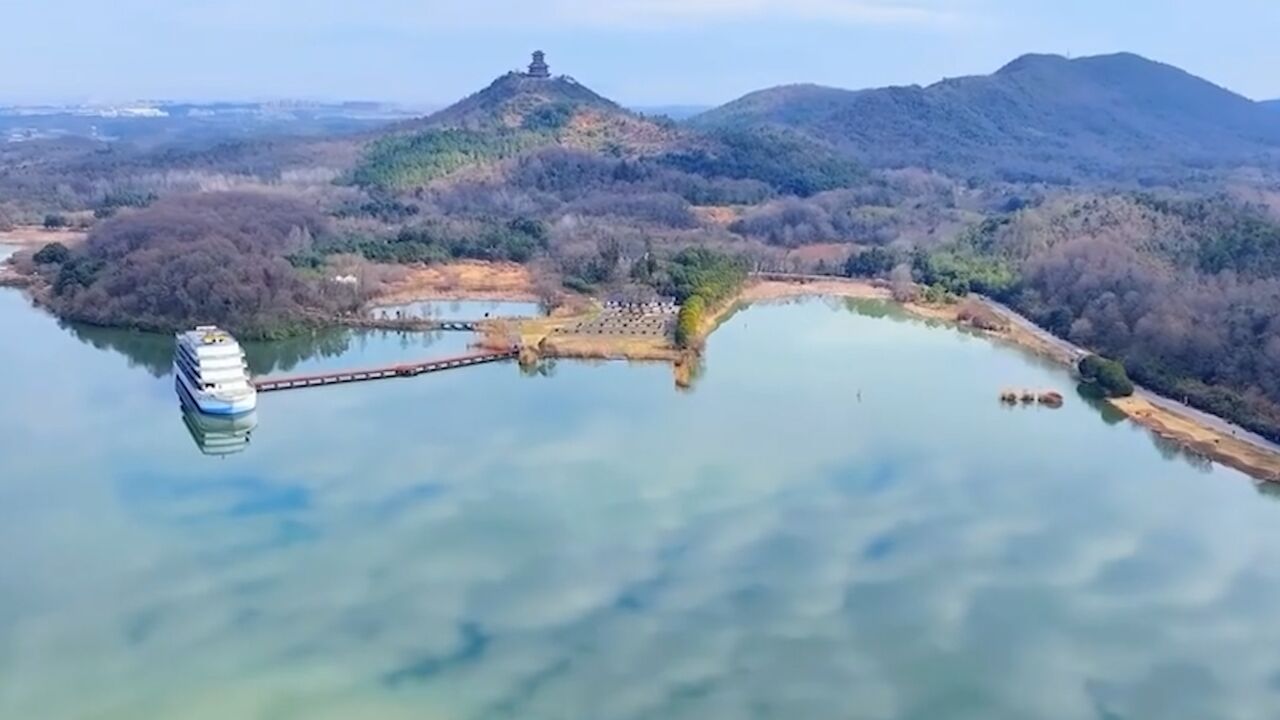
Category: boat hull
[212,405]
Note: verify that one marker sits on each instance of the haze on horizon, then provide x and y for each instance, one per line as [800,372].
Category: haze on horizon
[640,52]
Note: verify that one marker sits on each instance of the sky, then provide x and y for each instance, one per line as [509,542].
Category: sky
[639,52]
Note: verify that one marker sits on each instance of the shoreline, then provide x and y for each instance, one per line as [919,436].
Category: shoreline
[1225,444]
[1204,434]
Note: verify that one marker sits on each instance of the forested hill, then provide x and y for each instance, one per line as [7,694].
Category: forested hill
[1041,117]
[515,115]
[513,99]
[519,118]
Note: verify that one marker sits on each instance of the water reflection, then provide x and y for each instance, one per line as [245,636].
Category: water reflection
[459,310]
[542,367]
[1091,395]
[477,546]
[1171,449]
[219,435]
[334,348]
[284,355]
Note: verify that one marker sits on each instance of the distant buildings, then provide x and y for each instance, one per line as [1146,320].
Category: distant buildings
[539,68]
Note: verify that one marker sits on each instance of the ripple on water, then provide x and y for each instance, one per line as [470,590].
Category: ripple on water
[839,521]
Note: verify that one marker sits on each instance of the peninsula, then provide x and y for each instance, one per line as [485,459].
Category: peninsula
[643,232]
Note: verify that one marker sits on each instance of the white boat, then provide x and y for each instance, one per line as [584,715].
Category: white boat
[211,372]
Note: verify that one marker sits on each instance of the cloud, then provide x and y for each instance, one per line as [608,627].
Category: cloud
[629,13]
[598,545]
[415,16]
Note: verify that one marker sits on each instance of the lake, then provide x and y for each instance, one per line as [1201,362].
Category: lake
[839,520]
[459,310]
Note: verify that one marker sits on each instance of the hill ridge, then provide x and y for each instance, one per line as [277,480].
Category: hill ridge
[1039,116]
[516,94]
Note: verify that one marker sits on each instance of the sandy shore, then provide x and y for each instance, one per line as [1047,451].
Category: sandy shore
[11,278]
[1255,461]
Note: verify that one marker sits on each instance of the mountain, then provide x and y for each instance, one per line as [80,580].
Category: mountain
[675,112]
[558,108]
[1271,105]
[522,114]
[1041,117]
[516,114]
[513,99]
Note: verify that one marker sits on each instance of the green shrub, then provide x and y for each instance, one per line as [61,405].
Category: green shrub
[517,240]
[404,161]
[578,285]
[710,274]
[872,262]
[690,318]
[960,271]
[548,117]
[1109,375]
[55,253]
[790,162]
[701,279]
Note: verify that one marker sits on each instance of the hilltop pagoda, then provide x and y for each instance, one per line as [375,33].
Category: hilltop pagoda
[539,68]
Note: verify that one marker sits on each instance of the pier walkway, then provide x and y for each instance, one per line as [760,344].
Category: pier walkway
[269,384]
[412,324]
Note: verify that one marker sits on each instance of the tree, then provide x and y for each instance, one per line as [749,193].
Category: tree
[55,253]
[54,221]
[1108,375]
[872,262]
[689,319]
[902,285]
[212,257]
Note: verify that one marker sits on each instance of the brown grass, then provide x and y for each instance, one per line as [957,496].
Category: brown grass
[832,253]
[722,215]
[1051,399]
[609,348]
[835,287]
[465,280]
[34,236]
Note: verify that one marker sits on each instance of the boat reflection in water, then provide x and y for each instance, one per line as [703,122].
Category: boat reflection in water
[219,435]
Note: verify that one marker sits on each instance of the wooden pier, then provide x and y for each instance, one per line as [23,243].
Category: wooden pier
[393,371]
[412,324]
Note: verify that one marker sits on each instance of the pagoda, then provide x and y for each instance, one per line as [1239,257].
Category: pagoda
[538,68]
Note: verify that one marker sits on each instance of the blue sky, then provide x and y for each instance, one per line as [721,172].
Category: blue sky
[640,52]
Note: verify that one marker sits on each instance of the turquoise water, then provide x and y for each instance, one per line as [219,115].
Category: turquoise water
[319,352]
[588,542]
[459,310]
